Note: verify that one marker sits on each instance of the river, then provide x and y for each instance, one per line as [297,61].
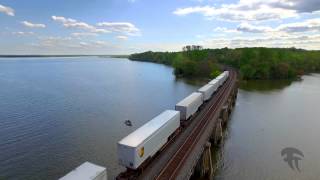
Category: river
[56,113]
[270,116]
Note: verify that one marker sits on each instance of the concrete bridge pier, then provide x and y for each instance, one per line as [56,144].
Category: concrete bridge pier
[204,167]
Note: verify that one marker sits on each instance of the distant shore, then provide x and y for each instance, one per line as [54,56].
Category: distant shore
[254,63]
[30,56]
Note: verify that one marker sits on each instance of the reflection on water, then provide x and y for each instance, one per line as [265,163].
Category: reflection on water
[268,118]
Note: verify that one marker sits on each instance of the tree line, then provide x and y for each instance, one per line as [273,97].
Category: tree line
[252,63]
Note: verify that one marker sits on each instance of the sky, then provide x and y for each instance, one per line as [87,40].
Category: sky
[129,26]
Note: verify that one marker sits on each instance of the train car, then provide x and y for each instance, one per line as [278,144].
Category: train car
[147,140]
[207,91]
[189,105]
[215,83]
[87,171]
[219,79]
[225,75]
[222,77]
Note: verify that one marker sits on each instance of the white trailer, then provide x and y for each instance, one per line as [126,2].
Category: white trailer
[147,140]
[217,80]
[87,171]
[207,91]
[227,73]
[189,105]
[222,77]
[215,83]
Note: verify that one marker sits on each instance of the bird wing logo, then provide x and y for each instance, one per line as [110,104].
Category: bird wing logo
[292,157]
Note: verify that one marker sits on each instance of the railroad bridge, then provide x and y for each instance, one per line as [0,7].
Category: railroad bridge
[189,151]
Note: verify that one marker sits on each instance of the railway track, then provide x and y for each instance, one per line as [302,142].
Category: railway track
[170,171]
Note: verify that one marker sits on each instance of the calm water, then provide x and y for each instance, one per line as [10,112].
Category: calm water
[268,117]
[56,113]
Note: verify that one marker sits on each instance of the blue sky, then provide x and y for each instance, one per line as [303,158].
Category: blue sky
[127,26]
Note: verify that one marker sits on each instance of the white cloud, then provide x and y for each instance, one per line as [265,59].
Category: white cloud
[254,10]
[245,27]
[100,43]
[21,33]
[157,46]
[72,23]
[309,25]
[225,30]
[57,42]
[200,36]
[305,26]
[93,44]
[103,27]
[238,12]
[204,10]
[298,5]
[32,25]
[83,34]
[63,19]
[121,27]
[53,41]
[302,41]
[7,10]
[122,37]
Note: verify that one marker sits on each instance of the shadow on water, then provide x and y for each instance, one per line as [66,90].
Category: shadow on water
[265,85]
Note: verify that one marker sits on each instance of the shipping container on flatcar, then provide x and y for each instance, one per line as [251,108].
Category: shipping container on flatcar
[147,140]
[87,171]
[207,91]
[189,105]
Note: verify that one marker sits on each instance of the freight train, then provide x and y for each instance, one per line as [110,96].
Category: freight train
[142,144]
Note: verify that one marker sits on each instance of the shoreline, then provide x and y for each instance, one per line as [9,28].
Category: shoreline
[37,56]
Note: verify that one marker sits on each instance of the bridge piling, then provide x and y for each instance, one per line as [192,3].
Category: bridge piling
[217,136]
[224,115]
[204,167]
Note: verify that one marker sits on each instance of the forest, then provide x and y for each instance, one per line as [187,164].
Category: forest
[252,63]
